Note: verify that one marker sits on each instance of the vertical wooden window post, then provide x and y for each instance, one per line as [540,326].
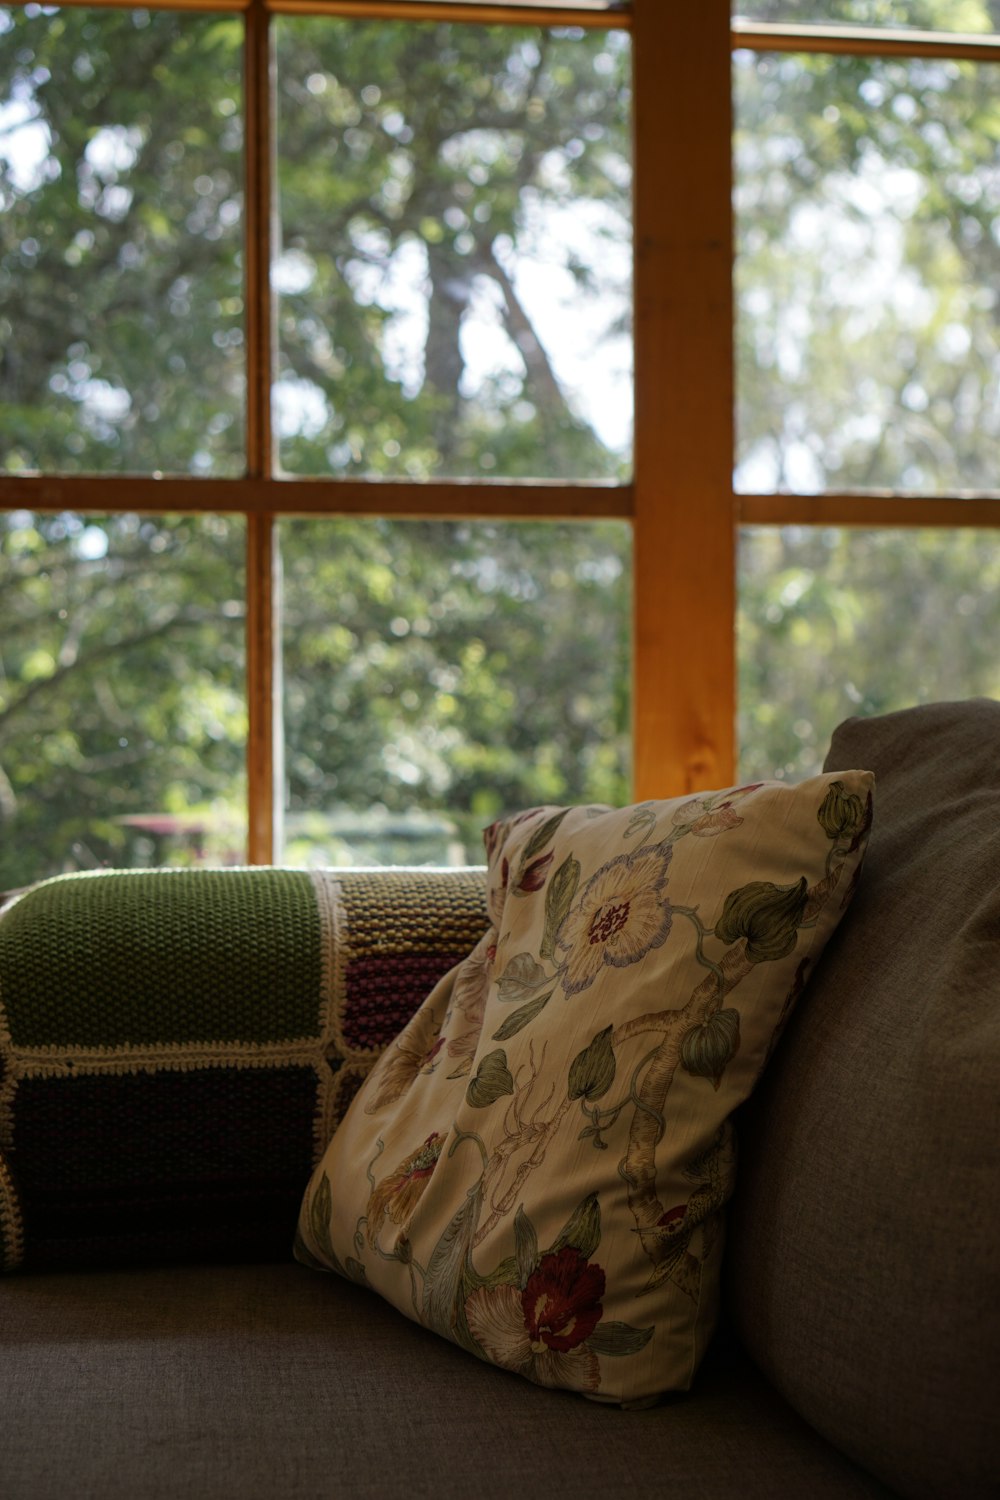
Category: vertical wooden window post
[260,591]
[684,508]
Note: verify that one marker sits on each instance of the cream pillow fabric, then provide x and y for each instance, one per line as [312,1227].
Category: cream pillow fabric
[536,1167]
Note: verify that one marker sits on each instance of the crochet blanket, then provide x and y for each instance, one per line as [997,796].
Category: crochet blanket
[178,1046]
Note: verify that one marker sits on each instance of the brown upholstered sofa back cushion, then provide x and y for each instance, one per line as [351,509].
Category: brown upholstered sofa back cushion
[864,1241]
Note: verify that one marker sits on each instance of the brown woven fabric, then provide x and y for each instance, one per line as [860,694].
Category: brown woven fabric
[265,1382]
[864,1270]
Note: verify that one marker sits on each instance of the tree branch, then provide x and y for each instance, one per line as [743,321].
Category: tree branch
[182,619]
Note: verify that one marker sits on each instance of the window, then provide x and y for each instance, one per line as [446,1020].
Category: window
[325,527]
[393,250]
[867,191]
[431,673]
[123,669]
[453,217]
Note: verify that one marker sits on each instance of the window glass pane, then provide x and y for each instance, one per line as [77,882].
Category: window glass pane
[122,709]
[121,342]
[437,674]
[835,622]
[868,205]
[969,16]
[454,268]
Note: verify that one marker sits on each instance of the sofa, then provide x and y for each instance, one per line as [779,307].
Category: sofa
[177,1048]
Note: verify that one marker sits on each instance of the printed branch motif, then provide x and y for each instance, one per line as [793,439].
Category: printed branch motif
[525,1128]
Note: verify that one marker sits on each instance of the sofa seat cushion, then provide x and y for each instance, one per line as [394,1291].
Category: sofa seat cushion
[264,1381]
[866,1274]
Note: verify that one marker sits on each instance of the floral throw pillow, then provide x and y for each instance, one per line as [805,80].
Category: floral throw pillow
[536,1168]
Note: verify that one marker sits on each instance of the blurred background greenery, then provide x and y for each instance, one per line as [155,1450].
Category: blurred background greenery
[452,278]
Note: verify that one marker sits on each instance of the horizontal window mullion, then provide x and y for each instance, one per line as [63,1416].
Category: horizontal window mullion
[228,6]
[456,10]
[452,499]
[402,10]
[290,497]
[859,510]
[775,36]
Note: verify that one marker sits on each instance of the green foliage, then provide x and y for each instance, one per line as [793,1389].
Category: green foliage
[868,358]
[836,622]
[458,669]
[867,271]
[469,668]
[426,172]
[121,198]
[421,169]
[121,690]
[413,679]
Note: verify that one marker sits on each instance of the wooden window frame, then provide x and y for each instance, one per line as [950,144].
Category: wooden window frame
[681,502]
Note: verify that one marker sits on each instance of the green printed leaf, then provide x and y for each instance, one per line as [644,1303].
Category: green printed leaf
[355,1271]
[304,1255]
[446,1271]
[521,978]
[558,900]
[583,1229]
[592,1071]
[618,1338]
[542,835]
[709,1048]
[320,1210]
[766,915]
[525,1246]
[521,1018]
[841,812]
[683,1269]
[493,1079]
